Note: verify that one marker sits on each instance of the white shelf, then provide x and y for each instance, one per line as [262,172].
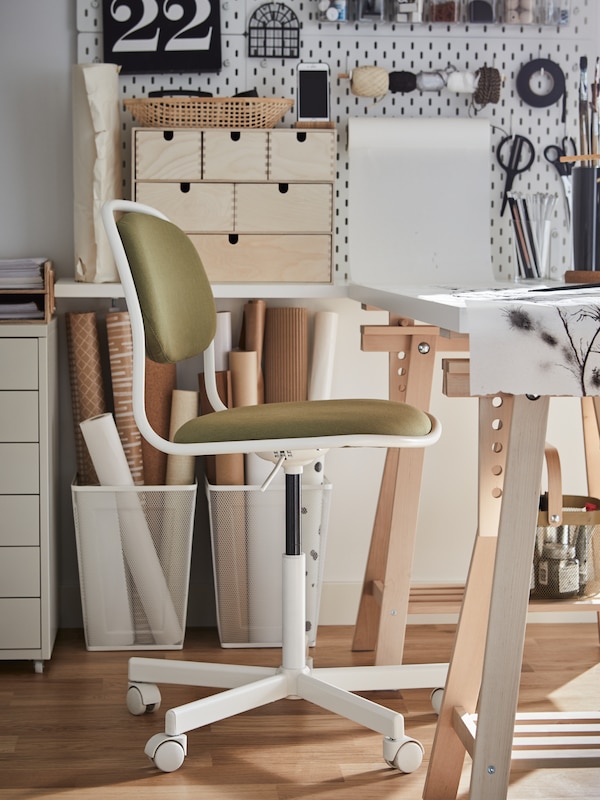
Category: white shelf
[69,288]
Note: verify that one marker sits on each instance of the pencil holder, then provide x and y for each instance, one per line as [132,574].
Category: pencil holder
[585,213]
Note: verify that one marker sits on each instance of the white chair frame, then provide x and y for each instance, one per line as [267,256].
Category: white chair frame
[250,687]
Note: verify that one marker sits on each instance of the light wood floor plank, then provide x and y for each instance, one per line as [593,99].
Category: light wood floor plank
[67,734]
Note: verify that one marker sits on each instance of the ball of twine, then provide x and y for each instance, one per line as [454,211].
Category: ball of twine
[488,86]
[369,82]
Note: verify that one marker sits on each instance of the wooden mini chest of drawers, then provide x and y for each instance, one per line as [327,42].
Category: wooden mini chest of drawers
[258,204]
[28,455]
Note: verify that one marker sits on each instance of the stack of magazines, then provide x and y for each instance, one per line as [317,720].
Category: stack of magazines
[21,274]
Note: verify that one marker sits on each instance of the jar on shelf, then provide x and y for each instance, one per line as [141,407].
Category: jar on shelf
[558,571]
[444,10]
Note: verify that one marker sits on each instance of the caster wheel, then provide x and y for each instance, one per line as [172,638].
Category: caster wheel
[167,752]
[436,698]
[143,698]
[408,757]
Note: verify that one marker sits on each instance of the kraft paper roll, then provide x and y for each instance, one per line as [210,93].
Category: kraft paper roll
[286,354]
[253,336]
[181,470]
[323,355]
[161,380]
[222,470]
[243,366]
[120,354]
[222,340]
[88,395]
[110,462]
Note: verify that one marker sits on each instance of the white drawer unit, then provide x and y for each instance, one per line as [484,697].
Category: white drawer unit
[258,204]
[28,475]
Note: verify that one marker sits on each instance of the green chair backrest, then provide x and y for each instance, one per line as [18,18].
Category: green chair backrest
[175,296]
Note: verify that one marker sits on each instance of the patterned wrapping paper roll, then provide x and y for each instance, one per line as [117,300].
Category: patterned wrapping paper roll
[88,395]
[120,353]
[161,381]
[286,354]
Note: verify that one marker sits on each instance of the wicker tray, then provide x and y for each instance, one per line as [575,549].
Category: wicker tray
[208,112]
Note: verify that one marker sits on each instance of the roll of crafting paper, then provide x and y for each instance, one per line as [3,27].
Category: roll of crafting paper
[223,470]
[181,470]
[88,397]
[253,337]
[243,366]
[103,442]
[161,380]
[222,340]
[323,355]
[286,354]
[120,353]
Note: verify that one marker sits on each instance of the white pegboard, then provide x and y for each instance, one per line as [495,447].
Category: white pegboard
[396,47]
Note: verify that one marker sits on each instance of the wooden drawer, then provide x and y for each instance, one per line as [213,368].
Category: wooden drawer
[20,520]
[235,155]
[280,207]
[194,207]
[168,155]
[19,417]
[20,627]
[20,572]
[19,468]
[256,258]
[18,363]
[302,155]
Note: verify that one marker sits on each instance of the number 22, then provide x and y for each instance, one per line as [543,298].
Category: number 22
[122,12]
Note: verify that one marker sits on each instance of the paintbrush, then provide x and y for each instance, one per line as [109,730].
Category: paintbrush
[584,122]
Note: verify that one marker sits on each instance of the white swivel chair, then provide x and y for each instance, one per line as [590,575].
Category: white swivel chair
[173,317]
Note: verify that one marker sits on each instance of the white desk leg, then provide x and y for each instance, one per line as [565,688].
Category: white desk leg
[509,600]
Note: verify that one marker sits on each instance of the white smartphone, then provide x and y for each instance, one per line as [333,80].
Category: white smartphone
[312,98]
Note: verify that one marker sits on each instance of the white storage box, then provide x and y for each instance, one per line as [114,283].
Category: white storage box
[134,551]
[248,541]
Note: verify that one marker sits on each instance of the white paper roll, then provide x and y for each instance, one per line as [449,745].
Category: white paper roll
[109,460]
[323,355]
[222,341]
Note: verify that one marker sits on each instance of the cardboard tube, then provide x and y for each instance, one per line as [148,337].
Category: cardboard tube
[161,380]
[110,462]
[253,336]
[244,378]
[181,470]
[286,354]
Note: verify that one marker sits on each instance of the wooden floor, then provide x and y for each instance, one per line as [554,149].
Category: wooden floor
[67,733]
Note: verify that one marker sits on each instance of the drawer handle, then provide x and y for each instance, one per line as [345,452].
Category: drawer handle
[168,136]
[235,136]
[283,188]
[233,238]
[301,136]
[184,187]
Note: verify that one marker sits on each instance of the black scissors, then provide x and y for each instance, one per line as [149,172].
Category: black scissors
[520,158]
[553,154]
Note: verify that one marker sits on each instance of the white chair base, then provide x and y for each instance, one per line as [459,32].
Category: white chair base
[251,687]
